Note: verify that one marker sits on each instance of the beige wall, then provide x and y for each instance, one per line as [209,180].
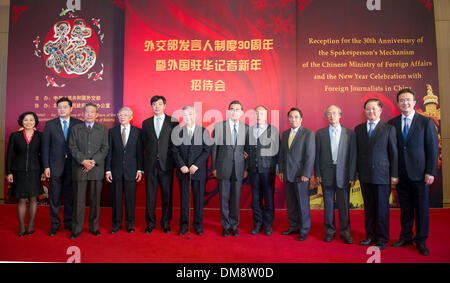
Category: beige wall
[442,18]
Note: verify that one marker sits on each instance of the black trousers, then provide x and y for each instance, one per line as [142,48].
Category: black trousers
[298,207]
[198,192]
[263,189]
[154,177]
[414,198]
[230,197]
[343,204]
[376,211]
[61,185]
[126,191]
[79,195]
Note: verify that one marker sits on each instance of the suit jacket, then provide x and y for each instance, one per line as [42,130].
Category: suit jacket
[263,151]
[124,162]
[55,147]
[87,144]
[223,151]
[158,150]
[419,154]
[195,151]
[346,158]
[298,160]
[377,158]
[21,156]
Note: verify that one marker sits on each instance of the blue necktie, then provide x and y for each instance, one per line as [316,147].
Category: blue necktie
[371,128]
[405,129]
[235,135]
[65,129]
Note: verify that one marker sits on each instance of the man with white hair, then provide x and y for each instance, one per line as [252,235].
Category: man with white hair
[124,168]
[335,170]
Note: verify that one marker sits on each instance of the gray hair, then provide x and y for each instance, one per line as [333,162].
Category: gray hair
[126,109]
[326,109]
[188,107]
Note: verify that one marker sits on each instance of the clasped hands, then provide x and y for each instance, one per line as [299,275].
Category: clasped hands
[88,165]
[191,170]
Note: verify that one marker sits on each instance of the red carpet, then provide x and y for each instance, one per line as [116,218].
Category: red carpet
[211,247]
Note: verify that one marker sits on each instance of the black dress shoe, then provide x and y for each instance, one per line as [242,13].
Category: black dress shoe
[348,240]
[381,246]
[402,243]
[182,231]
[235,232]
[302,237]
[95,233]
[21,234]
[255,230]
[328,238]
[148,230]
[199,232]
[130,230]
[74,236]
[225,233]
[114,231]
[52,233]
[289,232]
[423,250]
[268,231]
[166,229]
[366,242]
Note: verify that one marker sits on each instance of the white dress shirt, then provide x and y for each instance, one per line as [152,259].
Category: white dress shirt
[375,124]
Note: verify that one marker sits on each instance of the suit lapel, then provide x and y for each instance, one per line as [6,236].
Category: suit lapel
[296,137]
[152,129]
[228,134]
[327,143]
[412,128]
[342,142]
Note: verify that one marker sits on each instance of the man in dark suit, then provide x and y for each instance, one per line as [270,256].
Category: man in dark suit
[57,162]
[418,155]
[262,161]
[377,166]
[158,163]
[296,163]
[88,144]
[229,165]
[191,151]
[335,170]
[124,168]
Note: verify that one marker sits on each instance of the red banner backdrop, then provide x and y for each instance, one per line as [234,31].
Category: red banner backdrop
[206,54]
[62,48]
[349,51]
[281,54]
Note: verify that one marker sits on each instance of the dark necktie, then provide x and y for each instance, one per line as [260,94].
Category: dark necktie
[405,129]
[235,135]
[65,129]
[124,136]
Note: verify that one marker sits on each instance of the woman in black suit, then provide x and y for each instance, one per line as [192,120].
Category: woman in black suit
[24,169]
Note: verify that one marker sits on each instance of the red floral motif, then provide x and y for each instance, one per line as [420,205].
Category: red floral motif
[18,11]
